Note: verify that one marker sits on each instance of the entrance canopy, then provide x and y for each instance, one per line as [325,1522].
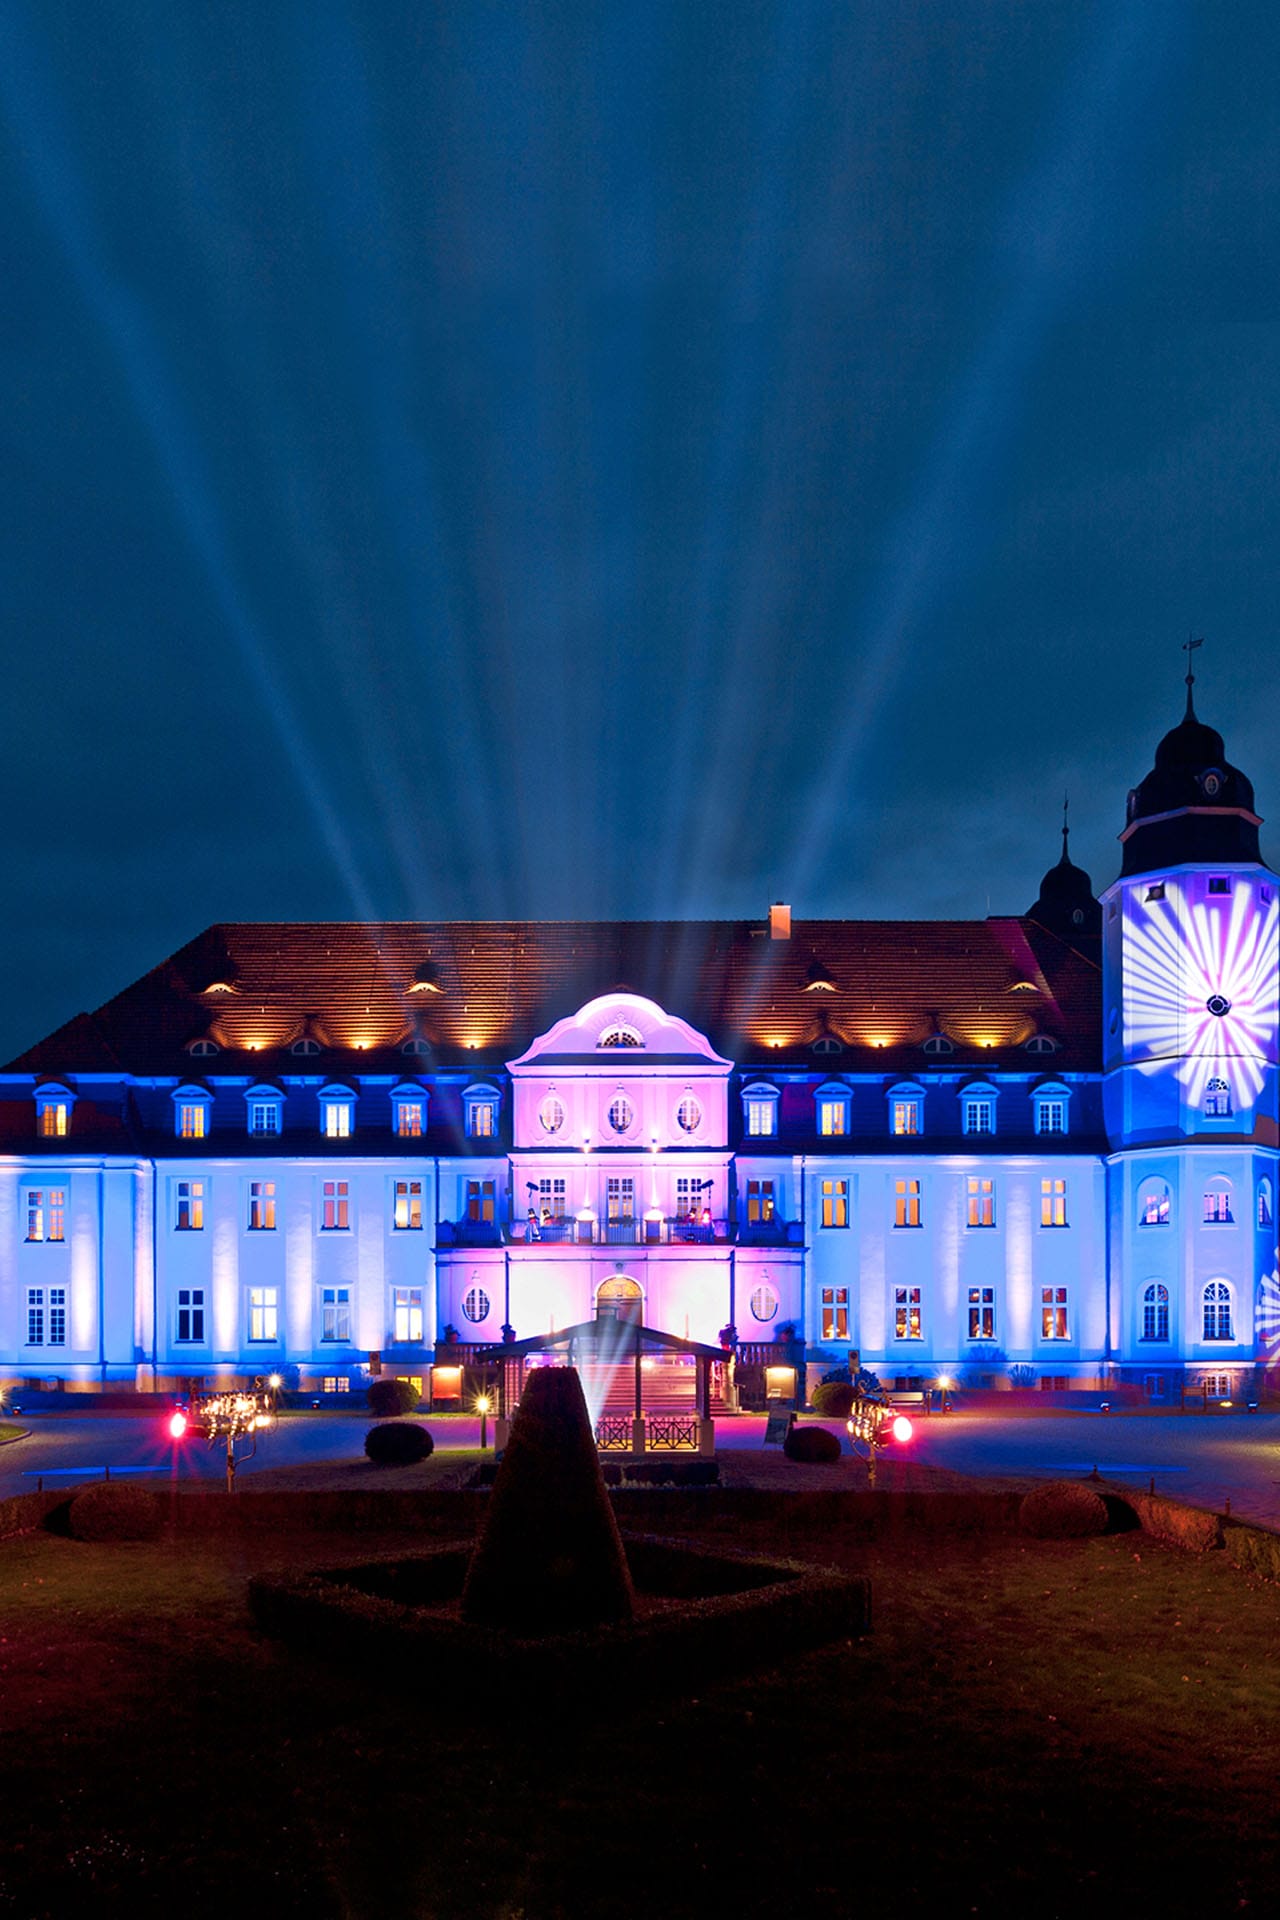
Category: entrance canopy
[612,1338]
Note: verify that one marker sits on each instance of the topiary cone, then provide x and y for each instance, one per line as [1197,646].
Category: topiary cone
[549,1558]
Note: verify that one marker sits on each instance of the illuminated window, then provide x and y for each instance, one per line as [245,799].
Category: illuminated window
[906,1314]
[621,1113]
[835,1313]
[191,1116]
[410,1119]
[620,1201]
[337,1206]
[190,1315]
[982,1201]
[335,1313]
[760,1202]
[57,1316]
[1264,1203]
[982,1313]
[1217,1203]
[46,1213]
[1053,1313]
[408,1205]
[760,1108]
[1155,1312]
[475,1304]
[262,1206]
[1154,1204]
[480,1105]
[550,1201]
[53,1119]
[406,1314]
[688,1114]
[904,1115]
[190,1207]
[335,1383]
[979,1116]
[481,1200]
[834,1195]
[833,1111]
[1051,1114]
[906,1203]
[264,1313]
[764,1303]
[1217,1311]
[1053,1203]
[265,1106]
[552,1114]
[337,1115]
[1217,1100]
[35,1316]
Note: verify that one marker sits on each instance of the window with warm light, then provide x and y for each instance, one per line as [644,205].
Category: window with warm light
[189,1329]
[481,1202]
[1053,1203]
[407,1213]
[904,1115]
[1053,1313]
[337,1118]
[834,1200]
[189,1206]
[760,1202]
[982,1313]
[834,1302]
[53,1119]
[262,1206]
[834,1108]
[1217,1311]
[480,1107]
[982,1201]
[550,1201]
[335,1314]
[336,1211]
[907,1323]
[1155,1311]
[46,1213]
[191,1119]
[264,1314]
[406,1314]
[409,1112]
[906,1203]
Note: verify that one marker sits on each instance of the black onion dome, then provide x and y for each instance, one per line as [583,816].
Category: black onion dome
[1066,904]
[1192,806]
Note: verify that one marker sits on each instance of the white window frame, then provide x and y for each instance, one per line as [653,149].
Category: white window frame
[481,1107]
[191,1112]
[1054,1214]
[264,1112]
[1155,1313]
[1051,1105]
[833,1201]
[1218,1307]
[981,1309]
[405,1100]
[337,1112]
[978,1105]
[190,1301]
[1216,1207]
[260,1215]
[335,1206]
[908,1313]
[406,1316]
[906,1111]
[264,1316]
[1155,1197]
[980,1201]
[335,1316]
[1055,1317]
[406,1206]
[192,1202]
[760,1111]
[833,1111]
[908,1202]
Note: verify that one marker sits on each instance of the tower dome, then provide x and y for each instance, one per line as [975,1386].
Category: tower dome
[1066,905]
[1193,805]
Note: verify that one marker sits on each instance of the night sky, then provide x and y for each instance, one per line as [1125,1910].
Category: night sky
[617,459]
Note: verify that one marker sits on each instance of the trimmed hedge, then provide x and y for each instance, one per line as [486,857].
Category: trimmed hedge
[1064,1510]
[1253,1550]
[112,1511]
[833,1399]
[1189,1527]
[812,1446]
[390,1395]
[401,1443]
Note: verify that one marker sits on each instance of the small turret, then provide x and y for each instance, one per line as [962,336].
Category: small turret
[1066,905]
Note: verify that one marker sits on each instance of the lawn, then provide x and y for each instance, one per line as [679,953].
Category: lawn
[1033,1728]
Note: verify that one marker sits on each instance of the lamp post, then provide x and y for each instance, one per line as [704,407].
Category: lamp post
[482,1408]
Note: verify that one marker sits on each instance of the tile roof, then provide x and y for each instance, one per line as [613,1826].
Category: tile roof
[480,992]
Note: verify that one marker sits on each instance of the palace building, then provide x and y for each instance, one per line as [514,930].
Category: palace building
[1040,1147]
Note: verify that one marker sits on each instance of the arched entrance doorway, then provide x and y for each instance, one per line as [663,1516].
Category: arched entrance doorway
[620,1298]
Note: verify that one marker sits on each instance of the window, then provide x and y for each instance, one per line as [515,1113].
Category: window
[550,1201]
[335,1383]
[982,1201]
[406,1314]
[480,1105]
[1053,1203]
[1217,1100]
[906,1314]
[833,1111]
[337,1206]
[904,1115]
[410,1119]
[1041,1043]
[620,1036]
[1155,1312]
[335,1313]
[407,1215]
[46,1213]
[35,1316]
[620,1201]
[1053,1313]
[979,1115]
[1051,1114]
[337,1114]
[938,1043]
[1156,892]
[1215,1386]
[552,1114]
[190,1315]
[1219,884]
[621,1113]
[264,1313]
[760,1202]
[1153,1204]
[190,1214]
[203,1048]
[1217,1311]
[191,1114]
[53,1118]
[982,1313]
[835,1313]
[827,1043]
[1217,1203]
[475,1304]
[760,1105]
[764,1303]
[835,1203]
[57,1316]
[688,1114]
[264,1117]
[481,1202]
[306,1047]
[906,1203]
[1264,1203]
[262,1206]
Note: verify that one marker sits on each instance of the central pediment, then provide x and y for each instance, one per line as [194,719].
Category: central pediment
[621,1030]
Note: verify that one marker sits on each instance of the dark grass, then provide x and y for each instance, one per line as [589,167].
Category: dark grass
[1033,1728]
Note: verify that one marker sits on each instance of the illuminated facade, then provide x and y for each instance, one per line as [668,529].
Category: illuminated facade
[1044,1143]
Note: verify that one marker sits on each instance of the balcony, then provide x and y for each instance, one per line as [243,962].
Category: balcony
[649,1231]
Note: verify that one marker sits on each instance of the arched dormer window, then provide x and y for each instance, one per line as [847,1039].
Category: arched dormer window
[1216,1302]
[1050,1102]
[409,1110]
[1041,1043]
[305,1047]
[619,1034]
[1217,1100]
[978,1108]
[1154,1203]
[760,1110]
[938,1043]
[416,1044]
[53,1110]
[1155,1311]
[1265,1213]
[1217,1202]
[827,1043]
[833,1104]
[906,1110]
[191,1107]
[264,1110]
[202,1047]
[480,1111]
[337,1111]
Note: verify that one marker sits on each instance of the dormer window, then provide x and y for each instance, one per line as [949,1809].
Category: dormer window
[833,1110]
[306,1046]
[53,1112]
[760,1111]
[906,1111]
[827,1043]
[191,1112]
[409,1111]
[203,1047]
[337,1112]
[426,978]
[978,1109]
[1041,1043]
[415,1044]
[480,1109]
[265,1111]
[620,1036]
[1050,1105]
[938,1043]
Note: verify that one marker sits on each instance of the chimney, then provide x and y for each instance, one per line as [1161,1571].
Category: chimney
[779,921]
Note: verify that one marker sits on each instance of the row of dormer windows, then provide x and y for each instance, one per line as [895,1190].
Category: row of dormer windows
[833,1111]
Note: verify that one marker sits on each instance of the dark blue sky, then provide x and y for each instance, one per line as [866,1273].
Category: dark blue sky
[617,459]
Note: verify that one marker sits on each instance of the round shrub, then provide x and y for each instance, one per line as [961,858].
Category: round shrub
[110,1510]
[1064,1510]
[390,1395]
[833,1399]
[401,1443]
[814,1446]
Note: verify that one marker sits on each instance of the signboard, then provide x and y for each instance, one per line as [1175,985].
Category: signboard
[778,1424]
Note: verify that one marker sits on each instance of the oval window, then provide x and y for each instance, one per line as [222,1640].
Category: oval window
[475,1304]
[688,1115]
[621,1113]
[551,1114]
[764,1303]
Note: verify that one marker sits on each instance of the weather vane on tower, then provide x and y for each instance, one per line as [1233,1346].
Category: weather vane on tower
[1189,647]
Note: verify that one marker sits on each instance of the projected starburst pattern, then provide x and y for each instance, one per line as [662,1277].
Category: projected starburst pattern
[1200,988]
[1268,1318]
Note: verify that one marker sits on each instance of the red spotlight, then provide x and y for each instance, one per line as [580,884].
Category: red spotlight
[177,1424]
[902,1428]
